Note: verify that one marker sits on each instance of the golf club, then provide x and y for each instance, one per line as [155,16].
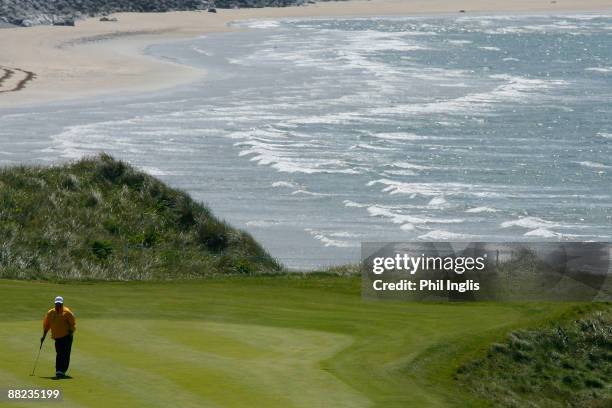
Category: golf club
[38,355]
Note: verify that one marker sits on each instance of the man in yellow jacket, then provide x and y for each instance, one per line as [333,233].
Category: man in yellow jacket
[61,321]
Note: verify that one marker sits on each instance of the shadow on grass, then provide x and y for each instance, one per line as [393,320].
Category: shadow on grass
[66,377]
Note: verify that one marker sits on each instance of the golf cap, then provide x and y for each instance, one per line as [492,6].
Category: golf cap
[59,299]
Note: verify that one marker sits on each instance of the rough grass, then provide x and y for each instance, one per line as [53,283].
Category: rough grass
[566,364]
[100,218]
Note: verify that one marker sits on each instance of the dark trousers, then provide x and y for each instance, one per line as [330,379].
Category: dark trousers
[63,347]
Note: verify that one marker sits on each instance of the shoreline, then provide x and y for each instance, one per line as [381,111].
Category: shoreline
[47,64]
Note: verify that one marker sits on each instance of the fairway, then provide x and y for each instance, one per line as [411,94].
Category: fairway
[245,342]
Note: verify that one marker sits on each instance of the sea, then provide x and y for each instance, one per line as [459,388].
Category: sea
[315,135]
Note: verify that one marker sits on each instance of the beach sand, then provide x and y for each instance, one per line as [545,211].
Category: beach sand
[50,63]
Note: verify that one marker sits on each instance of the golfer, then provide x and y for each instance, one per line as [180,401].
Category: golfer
[61,321]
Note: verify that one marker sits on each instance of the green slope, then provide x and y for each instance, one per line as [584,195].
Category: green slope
[244,342]
[100,218]
[565,364]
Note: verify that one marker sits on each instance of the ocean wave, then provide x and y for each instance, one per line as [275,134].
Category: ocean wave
[309,193]
[411,166]
[371,147]
[515,89]
[594,165]
[287,184]
[435,189]
[478,210]
[599,69]
[259,24]
[288,166]
[371,40]
[349,203]
[438,203]
[542,233]
[441,235]
[284,155]
[406,173]
[529,223]
[331,242]
[398,218]
[399,136]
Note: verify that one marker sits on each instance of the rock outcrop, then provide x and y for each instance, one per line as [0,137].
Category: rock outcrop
[37,12]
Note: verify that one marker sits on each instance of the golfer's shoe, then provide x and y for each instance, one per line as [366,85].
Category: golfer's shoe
[59,374]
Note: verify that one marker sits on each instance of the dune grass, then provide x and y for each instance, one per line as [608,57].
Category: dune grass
[100,218]
[284,341]
[565,364]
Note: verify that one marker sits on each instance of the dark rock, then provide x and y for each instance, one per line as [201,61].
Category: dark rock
[67,22]
[36,12]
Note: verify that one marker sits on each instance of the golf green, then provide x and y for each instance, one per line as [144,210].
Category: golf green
[250,342]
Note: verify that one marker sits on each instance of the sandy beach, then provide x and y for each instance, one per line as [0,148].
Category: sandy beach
[49,63]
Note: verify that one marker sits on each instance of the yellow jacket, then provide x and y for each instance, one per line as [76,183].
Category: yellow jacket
[61,324]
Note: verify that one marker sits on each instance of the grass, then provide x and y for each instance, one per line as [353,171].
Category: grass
[100,218]
[283,341]
[247,334]
[566,364]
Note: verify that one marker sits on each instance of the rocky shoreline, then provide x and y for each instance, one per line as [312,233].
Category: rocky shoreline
[27,13]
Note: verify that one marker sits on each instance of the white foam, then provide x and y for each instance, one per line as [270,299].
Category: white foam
[330,242]
[370,40]
[594,165]
[542,233]
[282,155]
[371,147]
[514,89]
[287,184]
[490,48]
[478,210]
[529,223]
[435,189]
[309,193]
[349,203]
[605,135]
[407,227]
[438,202]
[344,234]
[399,136]
[397,218]
[441,235]
[412,166]
[262,24]
[460,42]
[288,166]
[454,85]
[599,69]
[406,173]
